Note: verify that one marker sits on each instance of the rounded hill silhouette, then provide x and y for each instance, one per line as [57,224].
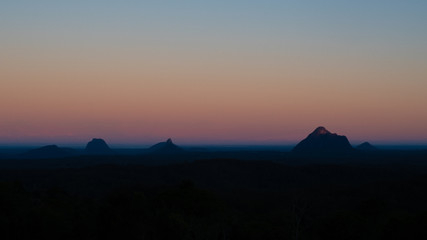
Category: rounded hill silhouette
[49,151]
[366,146]
[323,141]
[97,146]
[165,147]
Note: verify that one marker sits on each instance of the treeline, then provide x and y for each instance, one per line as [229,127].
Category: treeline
[217,199]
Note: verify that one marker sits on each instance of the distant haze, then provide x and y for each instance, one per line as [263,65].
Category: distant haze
[212,71]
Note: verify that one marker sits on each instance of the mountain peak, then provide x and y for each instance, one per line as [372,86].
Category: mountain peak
[165,147]
[97,146]
[323,141]
[320,131]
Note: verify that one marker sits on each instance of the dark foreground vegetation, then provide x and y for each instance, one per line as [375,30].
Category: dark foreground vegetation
[220,199]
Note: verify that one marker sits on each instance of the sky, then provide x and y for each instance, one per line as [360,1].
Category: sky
[212,72]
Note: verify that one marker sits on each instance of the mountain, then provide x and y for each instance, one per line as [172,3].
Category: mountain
[323,141]
[49,151]
[98,146]
[165,147]
[366,147]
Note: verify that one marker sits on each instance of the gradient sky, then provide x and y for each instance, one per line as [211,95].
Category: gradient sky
[212,71]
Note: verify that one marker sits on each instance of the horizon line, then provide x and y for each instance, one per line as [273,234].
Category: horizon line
[202,144]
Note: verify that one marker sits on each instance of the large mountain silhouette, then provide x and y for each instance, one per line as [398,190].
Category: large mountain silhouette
[323,141]
[97,146]
[165,147]
[49,151]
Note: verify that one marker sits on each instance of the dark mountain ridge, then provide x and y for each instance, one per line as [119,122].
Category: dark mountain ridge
[323,141]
